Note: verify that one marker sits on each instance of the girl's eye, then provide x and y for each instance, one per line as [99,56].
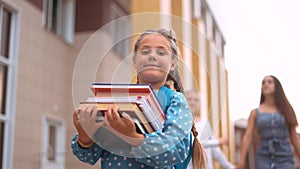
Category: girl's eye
[145,51]
[162,52]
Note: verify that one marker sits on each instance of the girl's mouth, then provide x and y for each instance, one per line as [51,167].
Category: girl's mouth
[151,66]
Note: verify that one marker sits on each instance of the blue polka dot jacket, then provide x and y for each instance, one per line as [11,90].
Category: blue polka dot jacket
[166,149]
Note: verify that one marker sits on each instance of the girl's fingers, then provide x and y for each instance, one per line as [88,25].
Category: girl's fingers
[107,116]
[112,114]
[83,113]
[115,114]
[128,120]
[94,112]
[75,116]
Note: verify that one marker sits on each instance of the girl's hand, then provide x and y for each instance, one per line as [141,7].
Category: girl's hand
[223,141]
[85,123]
[239,166]
[123,126]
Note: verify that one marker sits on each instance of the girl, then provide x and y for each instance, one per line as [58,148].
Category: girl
[155,59]
[209,142]
[275,121]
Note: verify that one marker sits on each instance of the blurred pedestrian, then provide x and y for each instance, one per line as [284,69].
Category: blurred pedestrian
[275,122]
[205,134]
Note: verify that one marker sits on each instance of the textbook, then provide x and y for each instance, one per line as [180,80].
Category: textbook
[137,100]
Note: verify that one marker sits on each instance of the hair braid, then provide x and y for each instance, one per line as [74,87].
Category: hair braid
[198,152]
[175,77]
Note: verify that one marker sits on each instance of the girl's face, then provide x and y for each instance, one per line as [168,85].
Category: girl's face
[268,85]
[193,100]
[153,60]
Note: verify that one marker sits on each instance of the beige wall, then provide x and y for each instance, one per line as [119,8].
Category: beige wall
[44,86]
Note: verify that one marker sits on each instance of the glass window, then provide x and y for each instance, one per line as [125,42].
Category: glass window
[120,31]
[5,33]
[3,79]
[52,16]
[209,26]
[59,17]
[51,143]
[196,9]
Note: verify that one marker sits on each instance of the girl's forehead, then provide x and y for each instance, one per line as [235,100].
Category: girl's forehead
[193,95]
[155,40]
[268,78]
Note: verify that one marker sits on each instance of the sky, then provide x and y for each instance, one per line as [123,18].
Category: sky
[262,38]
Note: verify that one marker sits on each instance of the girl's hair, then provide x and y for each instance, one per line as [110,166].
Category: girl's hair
[174,79]
[282,104]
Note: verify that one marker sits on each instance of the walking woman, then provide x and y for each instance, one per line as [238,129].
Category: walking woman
[276,122]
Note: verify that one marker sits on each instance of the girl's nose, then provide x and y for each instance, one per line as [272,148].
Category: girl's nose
[152,55]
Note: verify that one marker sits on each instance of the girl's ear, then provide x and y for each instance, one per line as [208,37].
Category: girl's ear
[173,64]
[134,61]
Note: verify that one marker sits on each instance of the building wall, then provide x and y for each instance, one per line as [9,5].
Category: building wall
[45,72]
[47,65]
[43,88]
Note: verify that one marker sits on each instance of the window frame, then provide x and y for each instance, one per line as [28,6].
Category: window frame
[197,9]
[60,142]
[209,26]
[65,24]
[11,62]
[117,33]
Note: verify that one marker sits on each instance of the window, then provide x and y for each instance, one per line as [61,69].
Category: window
[8,49]
[53,144]
[51,151]
[119,31]
[5,32]
[219,43]
[59,16]
[209,26]
[3,80]
[196,10]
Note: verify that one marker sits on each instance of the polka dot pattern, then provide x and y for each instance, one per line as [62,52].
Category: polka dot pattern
[159,149]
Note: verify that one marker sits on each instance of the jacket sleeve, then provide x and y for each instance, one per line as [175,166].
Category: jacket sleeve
[88,155]
[210,143]
[221,158]
[206,136]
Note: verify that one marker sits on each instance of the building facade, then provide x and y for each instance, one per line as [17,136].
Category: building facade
[52,50]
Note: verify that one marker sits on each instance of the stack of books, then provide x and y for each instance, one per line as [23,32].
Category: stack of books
[137,100]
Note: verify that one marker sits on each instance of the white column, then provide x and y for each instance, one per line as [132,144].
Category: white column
[165,13]
[187,44]
[203,69]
